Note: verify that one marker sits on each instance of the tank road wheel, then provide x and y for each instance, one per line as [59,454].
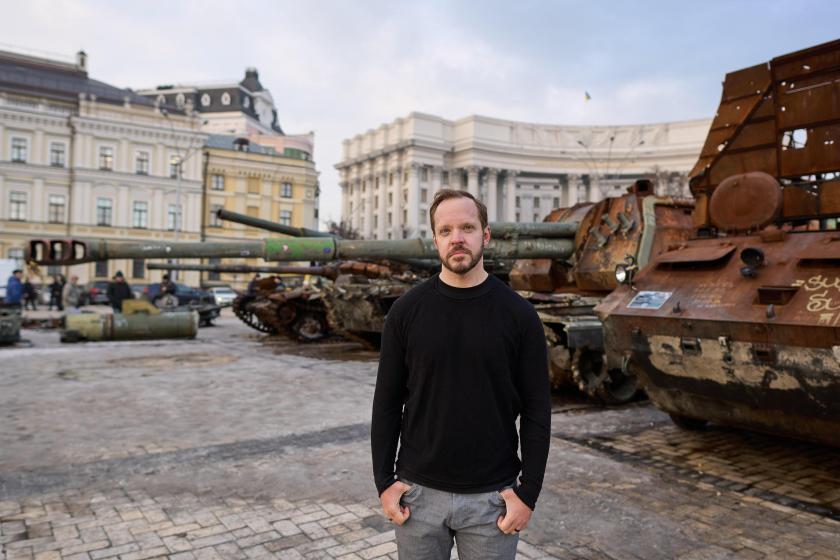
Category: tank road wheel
[589,370]
[240,309]
[686,422]
[310,327]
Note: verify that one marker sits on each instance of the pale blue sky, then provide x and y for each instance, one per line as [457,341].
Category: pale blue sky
[342,67]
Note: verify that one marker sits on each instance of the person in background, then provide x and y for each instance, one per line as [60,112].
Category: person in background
[30,295]
[252,285]
[71,293]
[14,289]
[56,289]
[118,291]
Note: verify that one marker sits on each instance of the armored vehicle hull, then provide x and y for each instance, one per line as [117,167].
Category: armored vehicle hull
[739,325]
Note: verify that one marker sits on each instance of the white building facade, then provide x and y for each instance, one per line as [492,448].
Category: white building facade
[79,158]
[520,170]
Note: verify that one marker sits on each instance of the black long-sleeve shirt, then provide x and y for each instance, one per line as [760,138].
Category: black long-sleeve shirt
[456,369]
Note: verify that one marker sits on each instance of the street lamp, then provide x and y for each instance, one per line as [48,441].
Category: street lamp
[191,149]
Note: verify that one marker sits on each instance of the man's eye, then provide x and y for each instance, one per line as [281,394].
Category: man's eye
[468,227]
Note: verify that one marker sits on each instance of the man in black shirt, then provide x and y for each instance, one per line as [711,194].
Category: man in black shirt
[463,356]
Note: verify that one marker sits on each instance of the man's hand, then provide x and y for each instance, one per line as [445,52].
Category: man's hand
[390,500]
[518,514]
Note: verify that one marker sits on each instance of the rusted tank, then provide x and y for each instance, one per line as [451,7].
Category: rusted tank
[739,324]
[352,302]
[566,291]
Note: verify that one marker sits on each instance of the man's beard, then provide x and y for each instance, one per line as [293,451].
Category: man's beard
[463,266]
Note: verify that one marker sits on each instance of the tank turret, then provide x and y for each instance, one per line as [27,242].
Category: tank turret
[738,325]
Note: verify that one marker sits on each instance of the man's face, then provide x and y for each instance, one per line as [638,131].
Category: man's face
[74,279]
[18,275]
[458,236]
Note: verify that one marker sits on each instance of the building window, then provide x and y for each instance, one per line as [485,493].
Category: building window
[253,211]
[217,182]
[390,221]
[214,275]
[19,149]
[205,100]
[16,254]
[253,185]
[101,269]
[214,217]
[57,154]
[246,101]
[138,268]
[556,202]
[517,202]
[390,179]
[140,215]
[536,203]
[424,195]
[424,174]
[286,190]
[104,209]
[285,217]
[444,177]
[375,221]
[225,98]
[517,216]
[180,100]
[106,158]
[141,163]
[56,209]
[173,217]
[316,213]
[174,167]
[390,199]
[17,206]
[536,217]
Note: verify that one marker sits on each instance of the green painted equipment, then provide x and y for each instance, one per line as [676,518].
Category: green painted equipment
[140,321]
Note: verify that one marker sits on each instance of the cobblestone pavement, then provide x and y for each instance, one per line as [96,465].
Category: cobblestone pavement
[231,446]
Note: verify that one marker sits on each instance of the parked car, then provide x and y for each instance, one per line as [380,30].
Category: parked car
[224,295]
[188,297]
[184,293]
[138,290]
[98,293]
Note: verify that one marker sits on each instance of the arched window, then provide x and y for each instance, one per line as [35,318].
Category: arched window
[179,100]
[225,98]
[205,100]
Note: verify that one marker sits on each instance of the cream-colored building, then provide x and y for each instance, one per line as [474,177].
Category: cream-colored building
[260,181]
[81,158]
[520,170]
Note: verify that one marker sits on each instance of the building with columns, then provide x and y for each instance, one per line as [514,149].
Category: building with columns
[520,170]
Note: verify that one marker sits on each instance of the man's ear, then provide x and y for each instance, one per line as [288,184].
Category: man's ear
[486,235]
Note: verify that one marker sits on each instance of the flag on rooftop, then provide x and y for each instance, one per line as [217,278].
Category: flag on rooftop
[586,96]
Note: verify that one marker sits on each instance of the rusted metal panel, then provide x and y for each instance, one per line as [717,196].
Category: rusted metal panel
[696,254]
[744,202]
[809,105]
[817,155]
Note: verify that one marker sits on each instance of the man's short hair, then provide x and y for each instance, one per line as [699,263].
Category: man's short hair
[15,271]
[446,194]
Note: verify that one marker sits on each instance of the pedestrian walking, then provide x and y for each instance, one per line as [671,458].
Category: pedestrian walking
[71,293]
[119,291]
[463,357]
[56,289]
[30,295]
[14,289]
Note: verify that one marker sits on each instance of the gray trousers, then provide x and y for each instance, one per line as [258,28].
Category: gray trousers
[437,518]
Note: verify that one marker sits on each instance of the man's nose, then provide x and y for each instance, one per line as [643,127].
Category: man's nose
[457,236]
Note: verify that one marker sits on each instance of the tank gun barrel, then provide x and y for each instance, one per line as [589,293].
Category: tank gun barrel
[78,251]
[500,230]
[267,225]
[242,268]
